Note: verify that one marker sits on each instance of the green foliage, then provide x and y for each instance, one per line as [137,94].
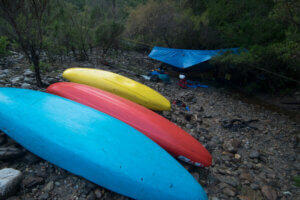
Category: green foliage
[268,29]
[297,181]
[44,67]
[263,68]
[271,34]
[26,22]
[107,33]
[164,23]
[3,47]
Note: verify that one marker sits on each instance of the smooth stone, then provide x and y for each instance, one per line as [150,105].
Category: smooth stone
[44,196]
[28,80]
[27,72]
[15,80]
[229,191]
[98,193]
[254,154]
[5,71]
[2,76]
[9,181]
[269,192]
[91,196]
[26,86]
[231,145]
[49,187]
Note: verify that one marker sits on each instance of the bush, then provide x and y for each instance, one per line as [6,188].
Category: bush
[3,47]
[263,68]
[167,23]
[107,34]
[44,67]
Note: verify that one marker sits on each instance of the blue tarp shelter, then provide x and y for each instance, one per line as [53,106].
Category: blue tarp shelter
[185,58]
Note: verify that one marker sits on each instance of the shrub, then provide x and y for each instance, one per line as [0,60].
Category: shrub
[4,47]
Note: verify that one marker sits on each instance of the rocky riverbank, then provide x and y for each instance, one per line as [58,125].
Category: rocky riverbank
[255,150]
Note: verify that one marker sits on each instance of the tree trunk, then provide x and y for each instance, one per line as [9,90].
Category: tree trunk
[114,9]
[36,64]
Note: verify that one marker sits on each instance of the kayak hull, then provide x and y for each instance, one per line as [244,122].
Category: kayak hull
[165,133]
[119,85]
[94,145]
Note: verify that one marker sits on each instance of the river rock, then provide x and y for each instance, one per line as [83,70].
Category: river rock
[254,186]
[49,187]
[91,196]
[9,181]
[254,154]
[231,145]
[242,197]
[229,191]
[269,192]
[31,181]
[246,176]
[26,86]
[98,193]
[15,80]
[10,153]
[2,76]
[229,180]
[6,71]
[28,79]
[44,196]
[28,72]
[51,80]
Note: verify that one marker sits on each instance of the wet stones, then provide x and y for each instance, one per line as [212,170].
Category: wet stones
[5,72]
[44,196]
[28,80]
[230,191]
[269,193]
[246,176]
[16,80]
[26,86]
[7,153]
[254,154]
[229,180]
[28,72]
[48,187]
[9,181]
[32,181]
[231,145]
[98,193]
[91,196]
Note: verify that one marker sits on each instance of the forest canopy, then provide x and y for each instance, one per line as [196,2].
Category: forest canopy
[268,29]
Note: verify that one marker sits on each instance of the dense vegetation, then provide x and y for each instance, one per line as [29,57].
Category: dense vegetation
[268,29]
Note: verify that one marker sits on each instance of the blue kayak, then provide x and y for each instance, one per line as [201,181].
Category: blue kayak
[94,145]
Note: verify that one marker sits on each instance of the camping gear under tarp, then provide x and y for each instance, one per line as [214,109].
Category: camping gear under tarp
[185,58]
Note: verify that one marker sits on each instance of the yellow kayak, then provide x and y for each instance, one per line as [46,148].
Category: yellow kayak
[119,85]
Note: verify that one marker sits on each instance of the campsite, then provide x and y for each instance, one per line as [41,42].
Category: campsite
[123,100]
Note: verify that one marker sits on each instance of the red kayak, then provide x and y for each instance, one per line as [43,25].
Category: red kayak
[169,136]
